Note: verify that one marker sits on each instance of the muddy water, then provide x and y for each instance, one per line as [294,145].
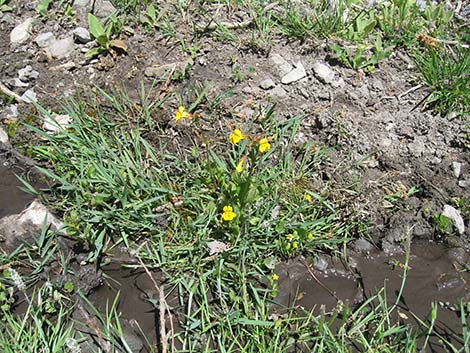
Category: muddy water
[135,289]
[432,276]
[12,199]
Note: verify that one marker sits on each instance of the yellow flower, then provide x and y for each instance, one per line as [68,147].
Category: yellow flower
[275,277]
[239,167]
[181,114]
[264,145]
[308,197]
[236,137]
[310,237]
[295,245]
[290,236]
[228,213]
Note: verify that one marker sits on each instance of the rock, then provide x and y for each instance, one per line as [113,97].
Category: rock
[18,83]
[161,71]
[362,245]
[56,123]
[81,35]
[457,168]
[216,247]
[103,8]
[283,66]
[9,113]
[320,264]
[418,147]
[267,84]
[21,33]
[337,83]
[26,226]
[3,136]
[44,39]
[82,3]
[29,96]
[297,74]
[464,183]
[278,92]
[27,74]
[455,217]
[323,72]
[61,48]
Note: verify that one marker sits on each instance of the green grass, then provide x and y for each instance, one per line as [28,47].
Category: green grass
[446,72]
[164,199]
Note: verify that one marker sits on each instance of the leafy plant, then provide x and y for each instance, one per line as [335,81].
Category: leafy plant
[43,7]
[103,36]
[362,57]
[151,17]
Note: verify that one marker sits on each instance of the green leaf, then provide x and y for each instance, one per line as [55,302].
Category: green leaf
[68,287]
[103,40]
[42,7]
[96,29]
[94,52]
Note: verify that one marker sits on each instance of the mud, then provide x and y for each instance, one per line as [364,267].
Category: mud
[12,198]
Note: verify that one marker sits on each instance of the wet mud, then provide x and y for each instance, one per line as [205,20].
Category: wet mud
[12,198]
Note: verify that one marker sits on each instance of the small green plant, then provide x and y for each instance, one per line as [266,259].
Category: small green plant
[446,71]
[43,7]
[362,57]
[4,6]
[103,36]
[151,18]
[443,225]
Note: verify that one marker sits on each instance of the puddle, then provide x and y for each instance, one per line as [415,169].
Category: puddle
[12,199]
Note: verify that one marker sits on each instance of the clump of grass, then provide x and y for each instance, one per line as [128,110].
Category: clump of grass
[446,72]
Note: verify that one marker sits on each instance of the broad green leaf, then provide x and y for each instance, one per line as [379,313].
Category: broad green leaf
[96,29]
[43,6]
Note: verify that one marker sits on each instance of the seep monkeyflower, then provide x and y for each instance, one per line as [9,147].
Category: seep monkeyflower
[264,145]
[228,214]
[236,137]
[181,114]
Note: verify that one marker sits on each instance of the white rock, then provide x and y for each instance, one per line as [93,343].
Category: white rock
[295,75]
[457,168]
[3,136]
[10,113]
[44,39]
[23,227]
[267,84]
[56,123]
[283,66]
[455,217]
[27,74]
[323,72]
[29,96]
[216,247]
[21,33]
[81,35]
[61,48]
[278,92]
[81,3]
[18,83]
[464,183]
